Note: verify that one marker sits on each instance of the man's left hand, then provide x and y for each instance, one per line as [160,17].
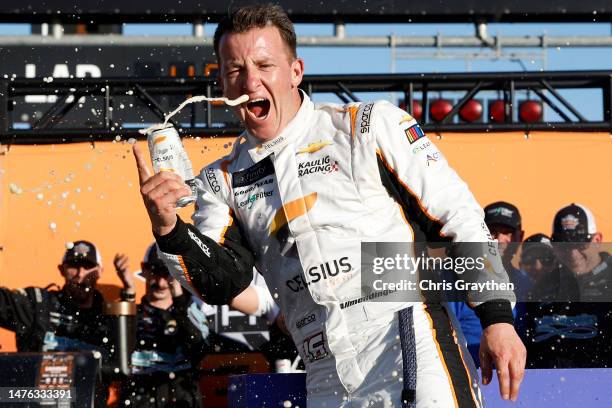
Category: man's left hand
[175,287]
[122,266]
[502,347]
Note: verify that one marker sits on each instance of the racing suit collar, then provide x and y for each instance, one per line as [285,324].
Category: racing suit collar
[259,151]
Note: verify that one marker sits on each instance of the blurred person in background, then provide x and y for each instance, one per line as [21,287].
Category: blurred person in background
[171,338]
[68,319]
[504,221]
[173,334]
[539,262]
[572,326]
[580,250]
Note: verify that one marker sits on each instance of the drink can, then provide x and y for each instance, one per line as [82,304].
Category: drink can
[168,154]
[283,366]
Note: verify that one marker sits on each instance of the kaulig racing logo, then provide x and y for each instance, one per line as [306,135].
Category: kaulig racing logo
[323,165]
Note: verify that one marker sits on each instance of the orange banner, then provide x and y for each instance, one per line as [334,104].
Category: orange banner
[56,194]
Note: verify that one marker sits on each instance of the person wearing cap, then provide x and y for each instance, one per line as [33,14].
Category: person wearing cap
[578,333]
[540,264]
[538,260]
[578,246]
[171,338]
[68,319]
[504,221]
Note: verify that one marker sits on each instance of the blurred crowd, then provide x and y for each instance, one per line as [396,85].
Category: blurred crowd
[163,338]
[563,283]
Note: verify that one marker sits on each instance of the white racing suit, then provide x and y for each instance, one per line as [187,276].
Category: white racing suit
[298,208]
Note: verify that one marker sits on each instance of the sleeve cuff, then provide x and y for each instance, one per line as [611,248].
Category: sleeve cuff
[494,311]
[171,241]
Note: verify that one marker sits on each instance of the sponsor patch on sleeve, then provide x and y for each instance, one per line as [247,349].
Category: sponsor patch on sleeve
[432,158]
[414,133]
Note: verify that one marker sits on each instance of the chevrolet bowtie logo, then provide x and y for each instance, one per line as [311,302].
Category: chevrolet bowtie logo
[315,147]
[406,118]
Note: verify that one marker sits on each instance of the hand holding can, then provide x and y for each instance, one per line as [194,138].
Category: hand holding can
[168,154]
[163,192]
[160,193]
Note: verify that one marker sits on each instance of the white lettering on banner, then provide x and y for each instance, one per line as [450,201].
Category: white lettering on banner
[249,330]
[61,71]
[91,70]
[226,313]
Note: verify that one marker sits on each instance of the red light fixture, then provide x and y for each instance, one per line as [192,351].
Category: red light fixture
[496,111]
[531,111]
[417,108]
[439,108]
[471,111]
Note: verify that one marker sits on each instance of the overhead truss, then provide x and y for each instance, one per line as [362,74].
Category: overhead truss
[121,105]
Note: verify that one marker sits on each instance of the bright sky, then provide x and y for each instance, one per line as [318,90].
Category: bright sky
[321,60]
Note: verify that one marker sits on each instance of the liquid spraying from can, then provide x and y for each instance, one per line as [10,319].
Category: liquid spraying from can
[167,151]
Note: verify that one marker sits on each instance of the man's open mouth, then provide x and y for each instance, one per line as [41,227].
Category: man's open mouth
[259,107]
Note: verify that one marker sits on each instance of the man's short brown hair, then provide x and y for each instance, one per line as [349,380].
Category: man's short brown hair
[245,18]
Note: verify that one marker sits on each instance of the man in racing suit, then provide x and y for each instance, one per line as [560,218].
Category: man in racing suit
[301,189]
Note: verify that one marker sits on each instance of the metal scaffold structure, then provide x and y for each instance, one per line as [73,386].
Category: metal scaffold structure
[151,98]
[84,99]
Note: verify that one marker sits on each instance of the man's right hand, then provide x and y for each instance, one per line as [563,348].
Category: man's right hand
[160,192]
[502,347]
